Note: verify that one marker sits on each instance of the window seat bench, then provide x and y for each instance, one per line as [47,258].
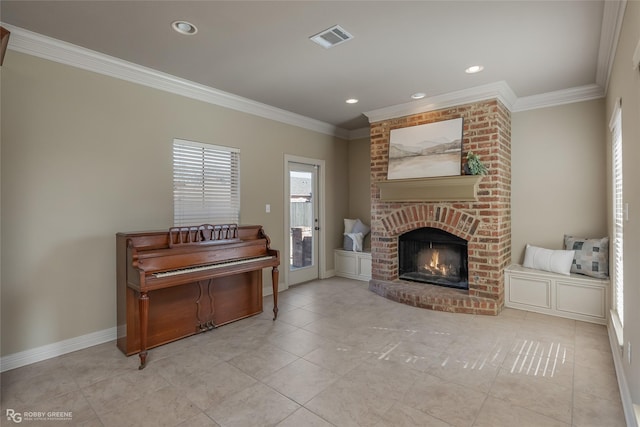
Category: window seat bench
[354,265]
[575,296]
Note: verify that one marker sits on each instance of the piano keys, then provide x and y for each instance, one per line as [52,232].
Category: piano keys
[189,280]
[210,267]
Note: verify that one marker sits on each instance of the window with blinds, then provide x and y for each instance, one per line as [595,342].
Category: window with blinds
[618,214]
[206,184]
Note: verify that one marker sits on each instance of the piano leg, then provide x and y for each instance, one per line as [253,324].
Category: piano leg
[143,302]
[274,284]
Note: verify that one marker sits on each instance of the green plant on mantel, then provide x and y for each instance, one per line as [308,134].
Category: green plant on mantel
[474,165]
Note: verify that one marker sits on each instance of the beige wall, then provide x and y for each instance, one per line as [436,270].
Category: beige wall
[558,175]
[624,83]
[359,183]
[359,180]
[85,156]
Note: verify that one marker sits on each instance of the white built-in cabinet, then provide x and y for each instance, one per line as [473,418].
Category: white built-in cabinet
[576,296]
[354,265]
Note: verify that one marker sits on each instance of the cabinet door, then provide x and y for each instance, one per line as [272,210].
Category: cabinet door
[529,291]
[581,299]
[364,266]
[346,263]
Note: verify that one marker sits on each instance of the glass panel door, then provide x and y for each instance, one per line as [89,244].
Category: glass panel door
[303,222]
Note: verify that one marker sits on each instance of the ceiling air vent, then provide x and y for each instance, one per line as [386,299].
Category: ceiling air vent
[331,37]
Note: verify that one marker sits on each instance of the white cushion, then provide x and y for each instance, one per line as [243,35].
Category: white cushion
[348,225]
[555,261]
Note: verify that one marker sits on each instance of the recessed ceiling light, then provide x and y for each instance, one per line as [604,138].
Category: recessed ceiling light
[418,95]
[474,69]
[184,27]
[351,101]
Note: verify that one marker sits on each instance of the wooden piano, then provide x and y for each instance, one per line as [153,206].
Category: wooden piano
[189,280]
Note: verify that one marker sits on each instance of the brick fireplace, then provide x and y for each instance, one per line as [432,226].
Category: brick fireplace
[485,223]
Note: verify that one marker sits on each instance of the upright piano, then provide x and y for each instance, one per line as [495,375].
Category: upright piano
[176,283]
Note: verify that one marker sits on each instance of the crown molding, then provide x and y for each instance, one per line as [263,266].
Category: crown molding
[34,44]
[499,90]
[612,16]
[559,97]
[41,46]
[359,133]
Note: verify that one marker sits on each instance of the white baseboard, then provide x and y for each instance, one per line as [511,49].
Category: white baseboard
[59,348]
[267,289]
[49,351]
[627,403]
[327,274]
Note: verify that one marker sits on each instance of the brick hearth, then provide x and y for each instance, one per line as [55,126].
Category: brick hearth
[484,223]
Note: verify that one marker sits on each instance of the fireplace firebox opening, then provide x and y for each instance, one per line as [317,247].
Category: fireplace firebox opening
[431,255]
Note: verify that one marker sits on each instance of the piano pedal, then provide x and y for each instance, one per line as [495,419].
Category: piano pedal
[204,327]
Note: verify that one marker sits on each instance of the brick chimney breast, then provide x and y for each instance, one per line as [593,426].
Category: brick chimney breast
[485,223]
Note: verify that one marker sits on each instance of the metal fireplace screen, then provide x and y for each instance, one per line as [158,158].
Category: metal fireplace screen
[431,255]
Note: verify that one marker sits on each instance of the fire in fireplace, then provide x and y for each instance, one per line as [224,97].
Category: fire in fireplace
[431,255]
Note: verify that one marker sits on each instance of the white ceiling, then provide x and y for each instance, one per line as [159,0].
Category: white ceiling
[261,50]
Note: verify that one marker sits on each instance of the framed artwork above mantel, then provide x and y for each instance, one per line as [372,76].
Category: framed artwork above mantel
[429,150]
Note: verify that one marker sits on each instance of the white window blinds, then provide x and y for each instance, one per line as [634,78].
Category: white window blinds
[618,213]
[206,184]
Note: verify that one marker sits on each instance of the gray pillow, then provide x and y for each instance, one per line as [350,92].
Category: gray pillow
[591,256]
[352,242]
[353,239]
[360,227]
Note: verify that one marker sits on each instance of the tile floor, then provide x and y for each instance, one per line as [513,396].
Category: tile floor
[339,355]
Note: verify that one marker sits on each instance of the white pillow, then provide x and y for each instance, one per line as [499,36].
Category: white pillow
[555,261]
[348,225]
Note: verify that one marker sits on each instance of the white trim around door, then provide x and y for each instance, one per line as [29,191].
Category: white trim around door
[320,200]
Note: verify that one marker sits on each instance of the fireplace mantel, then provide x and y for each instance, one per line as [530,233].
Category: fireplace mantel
[461,188]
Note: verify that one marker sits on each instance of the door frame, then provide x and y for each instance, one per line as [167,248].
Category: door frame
[320,200]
